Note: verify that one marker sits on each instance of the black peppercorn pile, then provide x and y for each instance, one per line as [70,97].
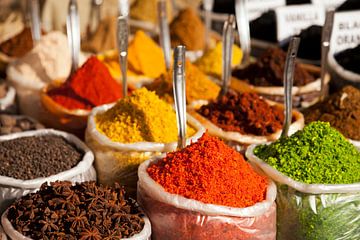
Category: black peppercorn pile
[82,211]
[39,156]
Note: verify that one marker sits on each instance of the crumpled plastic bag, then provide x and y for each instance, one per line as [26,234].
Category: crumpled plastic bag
[145,234]
[313,211]
[118,162]
[11,188]
[175,217]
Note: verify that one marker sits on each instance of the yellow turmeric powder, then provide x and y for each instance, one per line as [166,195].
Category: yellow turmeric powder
[145,57]
[211,61]
[140,117]
[198,85]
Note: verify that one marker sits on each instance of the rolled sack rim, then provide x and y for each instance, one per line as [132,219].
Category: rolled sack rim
[281,178]
[9,98]
[158,193]
[84,165]
[14,234]
[341,71]
[298,124]
[138,146]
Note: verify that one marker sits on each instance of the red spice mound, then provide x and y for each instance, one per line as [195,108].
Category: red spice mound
[245,113]
[211,172]
[90,86]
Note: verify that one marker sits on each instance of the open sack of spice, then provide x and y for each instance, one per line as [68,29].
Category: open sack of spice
[64,210]
[47,62]
[68,105]
[7,98]
[206,191]
[265,77]
[127,133]
[318,181]
[344,66]
[29,159]
[241,119]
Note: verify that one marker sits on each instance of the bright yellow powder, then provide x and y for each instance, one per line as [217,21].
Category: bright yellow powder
[145,57]
[198,85]
[140,117]
[211,61]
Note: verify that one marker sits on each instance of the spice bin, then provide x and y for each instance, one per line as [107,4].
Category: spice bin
[118,162]
[241,141]
[121,218]
[313,211]
[12,188]
[176,217]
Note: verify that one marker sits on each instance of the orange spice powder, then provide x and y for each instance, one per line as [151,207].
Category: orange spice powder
[211,172]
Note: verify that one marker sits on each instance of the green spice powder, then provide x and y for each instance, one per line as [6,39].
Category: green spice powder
[317,154]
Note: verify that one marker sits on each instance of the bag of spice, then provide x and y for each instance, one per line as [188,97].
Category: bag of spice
[241,119]
[344,67]
[72,211]
[126,134]
[28,159]
[318,179]
[206,191]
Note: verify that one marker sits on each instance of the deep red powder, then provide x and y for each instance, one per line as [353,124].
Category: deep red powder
[211,172]
[91,85]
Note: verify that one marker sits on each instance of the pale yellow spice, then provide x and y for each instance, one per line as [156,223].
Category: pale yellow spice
[140,117]
[211,61]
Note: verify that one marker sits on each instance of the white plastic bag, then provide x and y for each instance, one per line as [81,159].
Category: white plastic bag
[241,141]
[2,234]
[7,103]
[118,162]
[313,211]
[145,234]
[11,188]
[175,217]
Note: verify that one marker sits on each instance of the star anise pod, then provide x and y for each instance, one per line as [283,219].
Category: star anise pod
[90,234]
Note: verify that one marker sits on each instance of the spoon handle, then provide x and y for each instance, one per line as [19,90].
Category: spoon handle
[325,45]
[122,41]
[179,93]
[242,20]
[73,33]
[164,32]
[228,41]
[95,15]
[288,82]
[35,20]
[208,6]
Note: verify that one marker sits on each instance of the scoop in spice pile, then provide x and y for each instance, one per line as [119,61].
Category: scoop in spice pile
[341,110]
[90,86]
[80,211]
[245,113]
[317,154]
[198,85]
[211,61]
[211,172]
[37,156]
[187,29]
[268,70]
[140,117]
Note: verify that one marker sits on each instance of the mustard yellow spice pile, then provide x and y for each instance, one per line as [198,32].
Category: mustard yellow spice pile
[140,117]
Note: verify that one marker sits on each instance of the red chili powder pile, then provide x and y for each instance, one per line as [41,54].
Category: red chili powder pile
[245,113]
[211,172]
[90,86]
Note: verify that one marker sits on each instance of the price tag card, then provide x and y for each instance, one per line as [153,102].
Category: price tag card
[346,31]
[257,7]
[329,4]
[292,19]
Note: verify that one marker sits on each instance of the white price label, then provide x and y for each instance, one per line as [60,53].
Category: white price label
[257,7]
[329,4]
[346,31]
[292,19]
